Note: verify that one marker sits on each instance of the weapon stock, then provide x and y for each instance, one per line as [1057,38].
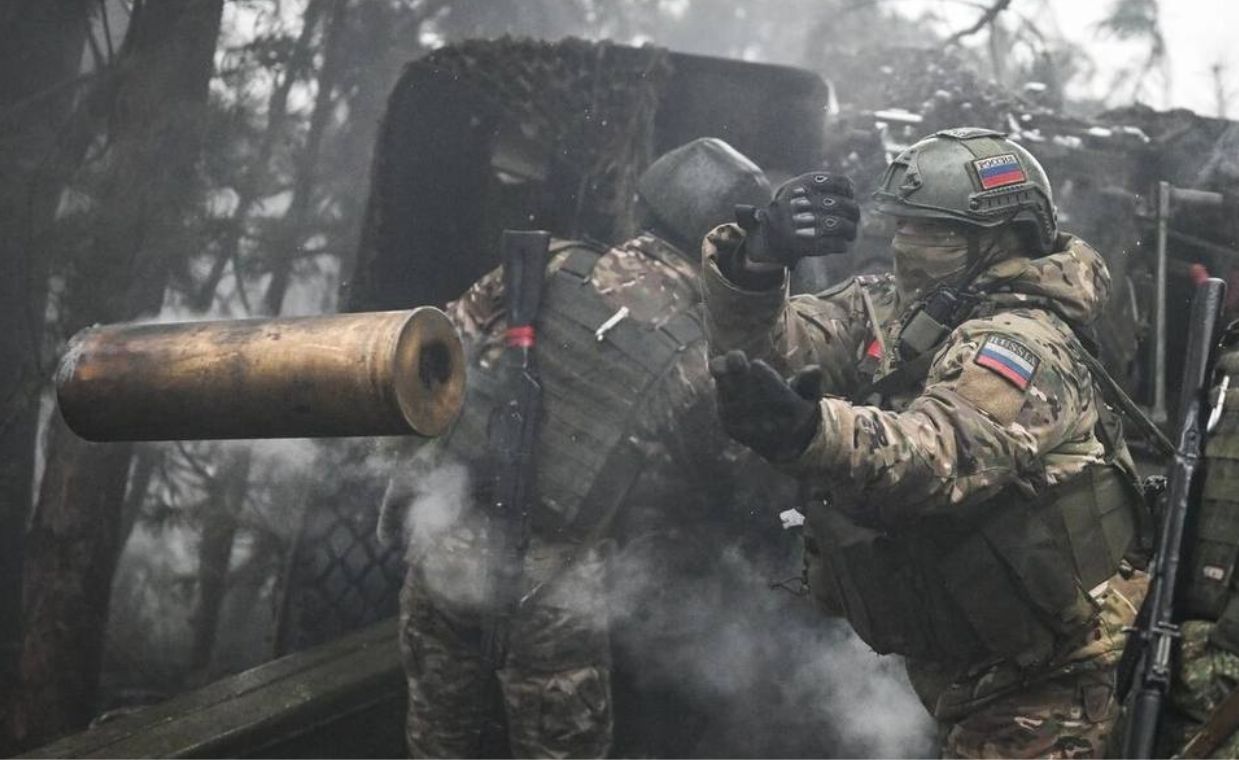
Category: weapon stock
[514,432]
[1156,637]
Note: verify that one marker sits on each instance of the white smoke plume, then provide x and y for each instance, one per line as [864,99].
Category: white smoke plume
[694,621]
[427,505]
[780,678]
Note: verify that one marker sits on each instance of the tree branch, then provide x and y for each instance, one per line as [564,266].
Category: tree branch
[986,19]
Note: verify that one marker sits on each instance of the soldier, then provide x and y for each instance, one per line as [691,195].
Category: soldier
[975,498]
[628,442]
[1203,690]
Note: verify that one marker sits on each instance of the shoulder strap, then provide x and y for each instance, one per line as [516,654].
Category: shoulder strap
[903,378]
[580,261]
[1118,398]
[909,374]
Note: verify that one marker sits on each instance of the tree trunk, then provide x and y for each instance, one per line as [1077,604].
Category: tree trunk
[39,63]
[256,178]
[161,76]
[225,500]
[305,173]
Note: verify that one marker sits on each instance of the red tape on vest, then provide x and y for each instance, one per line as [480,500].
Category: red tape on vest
[520,337]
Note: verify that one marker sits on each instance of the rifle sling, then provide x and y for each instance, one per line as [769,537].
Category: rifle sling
[904,377]
[1119,399]
[625,462]
[609,491]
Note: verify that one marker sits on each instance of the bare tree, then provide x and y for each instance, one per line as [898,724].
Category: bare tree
[1140,21]
[149,158]
[226,491]
[39,83]
[988,18]
[1221,88]
[296,221]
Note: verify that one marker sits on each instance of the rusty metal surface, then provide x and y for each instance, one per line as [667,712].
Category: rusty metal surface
[375,373]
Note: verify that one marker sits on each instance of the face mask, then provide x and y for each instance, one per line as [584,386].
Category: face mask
[926,256]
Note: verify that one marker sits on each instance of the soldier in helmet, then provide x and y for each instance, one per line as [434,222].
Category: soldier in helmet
[629,445]
[974,498]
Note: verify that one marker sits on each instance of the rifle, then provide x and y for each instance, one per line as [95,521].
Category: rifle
[513,433]
[1154,635]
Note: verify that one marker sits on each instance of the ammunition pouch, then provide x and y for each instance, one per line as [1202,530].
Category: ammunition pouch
[1011,583]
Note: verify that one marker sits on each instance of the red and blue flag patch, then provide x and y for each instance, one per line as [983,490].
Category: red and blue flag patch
[999,171]
[1010,359]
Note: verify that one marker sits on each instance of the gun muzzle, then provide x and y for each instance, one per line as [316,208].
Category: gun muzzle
[363,374]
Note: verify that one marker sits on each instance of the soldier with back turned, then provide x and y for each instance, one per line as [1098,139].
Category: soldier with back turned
[629,453]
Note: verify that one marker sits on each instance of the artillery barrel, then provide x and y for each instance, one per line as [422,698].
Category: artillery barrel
[376,373]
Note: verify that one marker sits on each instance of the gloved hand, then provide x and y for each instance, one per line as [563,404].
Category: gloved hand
[814,214]
[762,410]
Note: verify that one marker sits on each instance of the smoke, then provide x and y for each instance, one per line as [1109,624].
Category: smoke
[771,675]
[265,489]
[426,504]
[870,699]
[710,660]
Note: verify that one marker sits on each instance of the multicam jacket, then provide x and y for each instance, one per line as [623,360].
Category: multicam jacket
[974,523]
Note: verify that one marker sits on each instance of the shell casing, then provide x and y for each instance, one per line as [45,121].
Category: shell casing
[357,374]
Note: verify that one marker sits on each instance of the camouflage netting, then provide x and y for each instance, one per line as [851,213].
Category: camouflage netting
[505,133]
[495,134]
[473,133]
[339,577]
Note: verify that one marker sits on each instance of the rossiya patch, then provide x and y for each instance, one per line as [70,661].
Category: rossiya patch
[999,171]
[1009,358]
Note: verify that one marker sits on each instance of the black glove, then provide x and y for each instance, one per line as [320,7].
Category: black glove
[814,214]
[762,410]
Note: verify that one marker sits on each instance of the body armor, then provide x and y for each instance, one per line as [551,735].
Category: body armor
[996,584]
[596,371]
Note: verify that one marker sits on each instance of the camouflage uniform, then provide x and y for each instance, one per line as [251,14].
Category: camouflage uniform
[1204,676]
[948,458]
[556,682]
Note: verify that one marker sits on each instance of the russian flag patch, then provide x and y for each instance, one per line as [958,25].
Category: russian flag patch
[999,171]
[1009,358]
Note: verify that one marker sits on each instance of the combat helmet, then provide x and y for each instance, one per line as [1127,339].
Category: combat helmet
[971,175]
[693,188]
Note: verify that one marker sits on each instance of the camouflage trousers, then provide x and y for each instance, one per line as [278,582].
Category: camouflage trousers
[555,685]
[1059,718]
[1204,676]
[1068,712]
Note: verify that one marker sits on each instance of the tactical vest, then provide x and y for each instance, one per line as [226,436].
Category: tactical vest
[1212,544]
[593,391]
[1004,580]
